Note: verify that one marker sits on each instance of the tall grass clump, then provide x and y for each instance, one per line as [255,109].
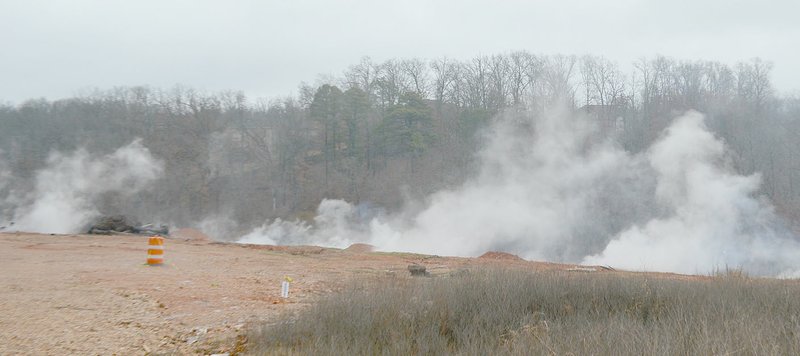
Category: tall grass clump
[522,313]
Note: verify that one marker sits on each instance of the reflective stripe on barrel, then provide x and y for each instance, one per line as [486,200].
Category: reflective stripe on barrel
[155,251]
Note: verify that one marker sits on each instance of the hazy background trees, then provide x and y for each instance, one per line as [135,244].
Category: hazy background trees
[385,131]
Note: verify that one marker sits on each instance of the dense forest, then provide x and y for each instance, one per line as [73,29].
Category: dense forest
[382,134]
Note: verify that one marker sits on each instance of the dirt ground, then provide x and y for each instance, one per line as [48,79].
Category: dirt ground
[93,294]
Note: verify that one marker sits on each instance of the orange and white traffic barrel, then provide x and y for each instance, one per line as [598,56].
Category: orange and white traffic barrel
[155,251]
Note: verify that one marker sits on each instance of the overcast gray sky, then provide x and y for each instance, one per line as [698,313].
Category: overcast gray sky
[55,49]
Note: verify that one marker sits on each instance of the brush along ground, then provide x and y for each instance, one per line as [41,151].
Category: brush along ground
[514,312]
[92,294]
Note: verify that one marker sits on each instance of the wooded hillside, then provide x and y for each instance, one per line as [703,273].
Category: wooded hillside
[384,131]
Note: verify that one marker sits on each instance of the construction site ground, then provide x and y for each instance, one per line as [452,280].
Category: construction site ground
[94,294]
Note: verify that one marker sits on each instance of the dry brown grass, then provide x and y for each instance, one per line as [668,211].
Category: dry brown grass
[522,313]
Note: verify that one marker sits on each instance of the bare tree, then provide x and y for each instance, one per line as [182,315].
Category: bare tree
[444,75]
[603,82]
[477,82]
[753,84]
[557,75]
[363,76]
[499,73]
[416,72]
[524,69]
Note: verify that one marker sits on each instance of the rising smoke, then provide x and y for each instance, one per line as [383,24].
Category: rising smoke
[550,188]
[337,223]
[65,193]
[715,219]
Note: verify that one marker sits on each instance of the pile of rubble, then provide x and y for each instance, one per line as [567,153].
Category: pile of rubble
[108,225]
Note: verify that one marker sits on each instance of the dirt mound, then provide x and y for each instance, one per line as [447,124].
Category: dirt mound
[189,234]
[360,248]
[495,255]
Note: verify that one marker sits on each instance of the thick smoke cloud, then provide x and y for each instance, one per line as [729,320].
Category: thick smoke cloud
[539,184]
[551,188]
[65,192]
[716,220]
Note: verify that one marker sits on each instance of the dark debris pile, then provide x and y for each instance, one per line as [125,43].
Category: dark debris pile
[107,225]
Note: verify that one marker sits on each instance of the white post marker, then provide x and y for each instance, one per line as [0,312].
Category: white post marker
[285,287]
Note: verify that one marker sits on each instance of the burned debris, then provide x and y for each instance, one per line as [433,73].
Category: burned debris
[108,225]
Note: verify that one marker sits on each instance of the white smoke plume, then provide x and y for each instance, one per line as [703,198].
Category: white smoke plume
[535,190]
[219,227]
[550,189]
[65,191]
[337,224]
[716,220]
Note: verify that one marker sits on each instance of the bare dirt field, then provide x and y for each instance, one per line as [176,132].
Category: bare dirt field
[92,294]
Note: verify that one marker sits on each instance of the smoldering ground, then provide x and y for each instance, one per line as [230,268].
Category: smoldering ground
[65,194]
[549,186]
[554,187]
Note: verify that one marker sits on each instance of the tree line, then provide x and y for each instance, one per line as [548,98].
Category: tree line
[381,132]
